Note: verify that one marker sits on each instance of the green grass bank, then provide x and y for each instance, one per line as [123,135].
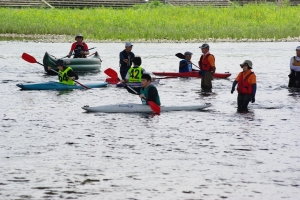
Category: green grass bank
[157,21]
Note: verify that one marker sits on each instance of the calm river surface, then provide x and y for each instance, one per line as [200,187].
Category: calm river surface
[51,149]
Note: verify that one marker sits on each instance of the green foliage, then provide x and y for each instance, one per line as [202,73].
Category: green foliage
[157,21]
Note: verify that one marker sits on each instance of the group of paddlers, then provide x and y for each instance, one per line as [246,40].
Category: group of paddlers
[132,71]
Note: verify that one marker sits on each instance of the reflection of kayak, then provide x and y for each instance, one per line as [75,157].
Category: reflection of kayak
[190,74]
[58,86]
[92,64]
[140,108]
[138,84]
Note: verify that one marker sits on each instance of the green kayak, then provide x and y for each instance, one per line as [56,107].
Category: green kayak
[92,64]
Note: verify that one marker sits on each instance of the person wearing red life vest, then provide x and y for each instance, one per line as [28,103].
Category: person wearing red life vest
[246,81]
[79,47]
[207,68]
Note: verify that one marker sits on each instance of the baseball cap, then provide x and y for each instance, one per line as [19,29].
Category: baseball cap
[298,48]
[128,44]
[204,46]
[188,53]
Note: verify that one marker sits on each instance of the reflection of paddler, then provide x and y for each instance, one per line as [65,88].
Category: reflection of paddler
[246,81]
[295,70]
[65,74]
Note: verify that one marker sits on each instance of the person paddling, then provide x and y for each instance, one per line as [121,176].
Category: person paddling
[147,92]
[246,81]
[79,47]
[135,73]
[126,57]
[65,74]
[295,70]
[186,64]
[208,68]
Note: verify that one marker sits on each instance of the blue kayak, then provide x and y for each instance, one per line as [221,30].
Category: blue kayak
[52,85]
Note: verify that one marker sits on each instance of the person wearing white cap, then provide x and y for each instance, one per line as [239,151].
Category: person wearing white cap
[186,64]
[295,70]
[79,47]
[208,68]
[246,81]
[126,57]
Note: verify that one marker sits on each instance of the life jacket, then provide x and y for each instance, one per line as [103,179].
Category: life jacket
[244,87]
[123,65]
[145,92]
[296,62]
[78,49]
[64,78]
[203,62]
[135,74]
[187,68]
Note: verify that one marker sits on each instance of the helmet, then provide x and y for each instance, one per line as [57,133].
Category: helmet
[79,35]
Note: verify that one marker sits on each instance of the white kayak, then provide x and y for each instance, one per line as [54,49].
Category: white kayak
[140,108]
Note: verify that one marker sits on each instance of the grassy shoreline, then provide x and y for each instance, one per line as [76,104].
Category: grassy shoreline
[156,23]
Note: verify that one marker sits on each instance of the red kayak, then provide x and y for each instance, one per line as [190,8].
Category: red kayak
[190,74]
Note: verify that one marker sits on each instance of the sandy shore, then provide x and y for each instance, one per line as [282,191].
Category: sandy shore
[68,39]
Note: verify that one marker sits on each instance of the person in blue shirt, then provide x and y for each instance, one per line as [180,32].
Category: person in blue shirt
[126,57]
[186,64]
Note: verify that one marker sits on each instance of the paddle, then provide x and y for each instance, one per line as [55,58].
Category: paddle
[74,53]
[181,56]
[31,59]
[112,73]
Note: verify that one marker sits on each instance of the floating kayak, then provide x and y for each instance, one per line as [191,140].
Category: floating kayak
[140,108]
[92,64]
[137,84]
[190,74]
[58,86]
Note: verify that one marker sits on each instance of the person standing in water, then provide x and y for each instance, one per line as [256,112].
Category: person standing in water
[79,47]
[246,81]
[207,68]
[126,57]
[294,77]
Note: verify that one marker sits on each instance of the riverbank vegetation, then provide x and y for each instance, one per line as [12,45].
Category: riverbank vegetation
[157,21]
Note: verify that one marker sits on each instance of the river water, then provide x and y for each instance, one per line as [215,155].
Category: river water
[51,149]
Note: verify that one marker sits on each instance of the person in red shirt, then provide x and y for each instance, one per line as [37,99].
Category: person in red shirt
[79,47]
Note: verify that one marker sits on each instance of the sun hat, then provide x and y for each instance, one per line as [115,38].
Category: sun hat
[204,46]
[188,53]
[128,44]
[248,62]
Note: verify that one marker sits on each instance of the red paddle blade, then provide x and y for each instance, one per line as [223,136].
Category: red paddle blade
[154,106]
[112,73]
[28,58]
[112,81]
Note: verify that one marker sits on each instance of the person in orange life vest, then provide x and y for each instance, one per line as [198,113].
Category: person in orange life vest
[65,74]
[295,70]
[246,81]
[79,47]
[186,64]
[207,68]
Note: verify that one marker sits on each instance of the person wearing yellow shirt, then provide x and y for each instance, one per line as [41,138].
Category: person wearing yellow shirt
[246,81]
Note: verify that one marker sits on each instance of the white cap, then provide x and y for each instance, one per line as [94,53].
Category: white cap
[128,44]
[298,48]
